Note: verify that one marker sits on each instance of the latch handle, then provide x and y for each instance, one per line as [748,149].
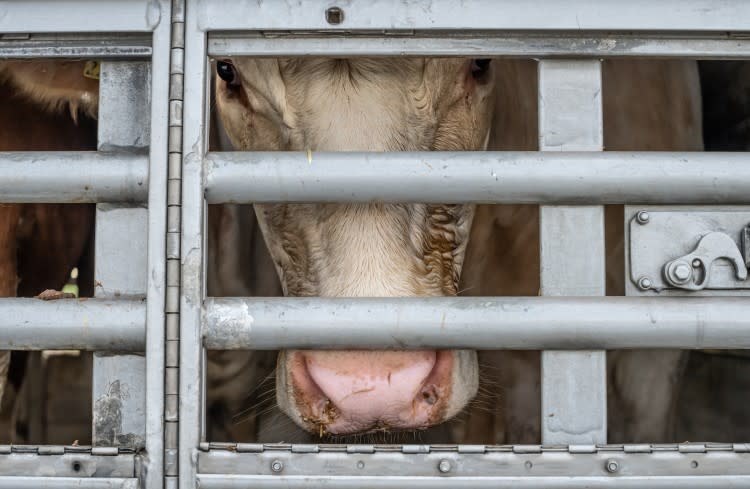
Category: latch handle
[692,271]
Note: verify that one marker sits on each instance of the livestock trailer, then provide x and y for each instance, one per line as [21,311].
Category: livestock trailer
[153,177]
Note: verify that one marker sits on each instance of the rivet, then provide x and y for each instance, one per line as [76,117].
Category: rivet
[642,217]
[645,283]
[528,464]
[612,466]
[277,466]
[334,16]
[444,466]
[694,464]
[360,465]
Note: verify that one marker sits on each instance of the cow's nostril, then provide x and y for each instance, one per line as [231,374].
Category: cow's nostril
[430,395]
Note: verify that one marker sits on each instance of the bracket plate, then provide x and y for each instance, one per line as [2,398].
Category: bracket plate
[669,232]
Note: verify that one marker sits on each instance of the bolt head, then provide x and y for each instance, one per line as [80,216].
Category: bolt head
[682,271]
[642,217]
[612,466]
[277,466]
[645,283]
[334,15]
[444,466]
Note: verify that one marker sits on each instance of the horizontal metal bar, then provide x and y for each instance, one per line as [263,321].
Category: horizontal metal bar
[387,482]
[39,464]
[48,16]
[574,15]
[480,177]
[67,482]
[73,324]
[72,177]
[78,46]
[485,44]
[483,323]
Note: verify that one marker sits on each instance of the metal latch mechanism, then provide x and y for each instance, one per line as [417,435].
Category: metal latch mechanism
[691,271]
[679,250]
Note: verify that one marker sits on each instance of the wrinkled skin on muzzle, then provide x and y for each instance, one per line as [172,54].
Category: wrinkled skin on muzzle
[364,250]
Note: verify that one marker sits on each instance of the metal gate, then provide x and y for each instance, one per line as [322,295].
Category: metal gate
[570,177]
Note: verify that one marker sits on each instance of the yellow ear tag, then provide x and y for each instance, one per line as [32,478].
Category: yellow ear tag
[91,70]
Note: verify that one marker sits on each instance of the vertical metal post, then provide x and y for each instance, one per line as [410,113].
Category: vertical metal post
[153,474]
[574,388]
[119,395]
[194,142]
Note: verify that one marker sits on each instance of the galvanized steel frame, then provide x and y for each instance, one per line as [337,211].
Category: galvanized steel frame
[179,171]
[122,30]
[575,29]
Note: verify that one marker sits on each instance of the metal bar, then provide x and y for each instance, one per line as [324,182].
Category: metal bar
[153,470]
[478,43]
[485,323]
[394,482]
[85,324]
[88,46]
[572,255]
[191,218]
[574,15]
[42,16]
[119,388]
[72,177]
[480,177]
[25,482]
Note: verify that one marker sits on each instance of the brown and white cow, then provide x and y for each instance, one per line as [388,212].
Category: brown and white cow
[419,250]
[46,106]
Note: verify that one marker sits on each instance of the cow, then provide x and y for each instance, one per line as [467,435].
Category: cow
[406,250]
[47,106]
[415,104]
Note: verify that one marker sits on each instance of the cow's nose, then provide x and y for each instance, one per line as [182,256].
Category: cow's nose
[359,391]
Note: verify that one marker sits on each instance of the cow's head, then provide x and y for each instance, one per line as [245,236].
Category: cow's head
[364,250]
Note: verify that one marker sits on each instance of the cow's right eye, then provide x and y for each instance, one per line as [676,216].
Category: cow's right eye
[226,72]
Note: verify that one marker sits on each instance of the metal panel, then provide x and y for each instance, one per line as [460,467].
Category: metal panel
[483,177]
[481,43]
[152,474]
[475,466]
[58,461]
[39,16]
[119,388]
[191,253]
[576,15]
[85,324]
[574,384]
[72,177]
[25,482]
[478,323]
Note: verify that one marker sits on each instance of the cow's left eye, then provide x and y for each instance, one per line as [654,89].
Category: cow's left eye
[479,68]
[226,72]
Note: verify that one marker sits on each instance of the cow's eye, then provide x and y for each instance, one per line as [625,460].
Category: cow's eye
[479,68]
[226,72]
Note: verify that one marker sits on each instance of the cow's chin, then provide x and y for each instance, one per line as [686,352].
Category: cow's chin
[353,392]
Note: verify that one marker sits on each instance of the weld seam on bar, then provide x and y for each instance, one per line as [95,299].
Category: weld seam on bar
[480,177]
[72,177]
[73,324]
[483,323]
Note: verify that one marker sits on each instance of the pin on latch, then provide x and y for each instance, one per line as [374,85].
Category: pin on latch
[692,271]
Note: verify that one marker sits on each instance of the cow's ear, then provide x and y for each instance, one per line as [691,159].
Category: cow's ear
[55,85]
